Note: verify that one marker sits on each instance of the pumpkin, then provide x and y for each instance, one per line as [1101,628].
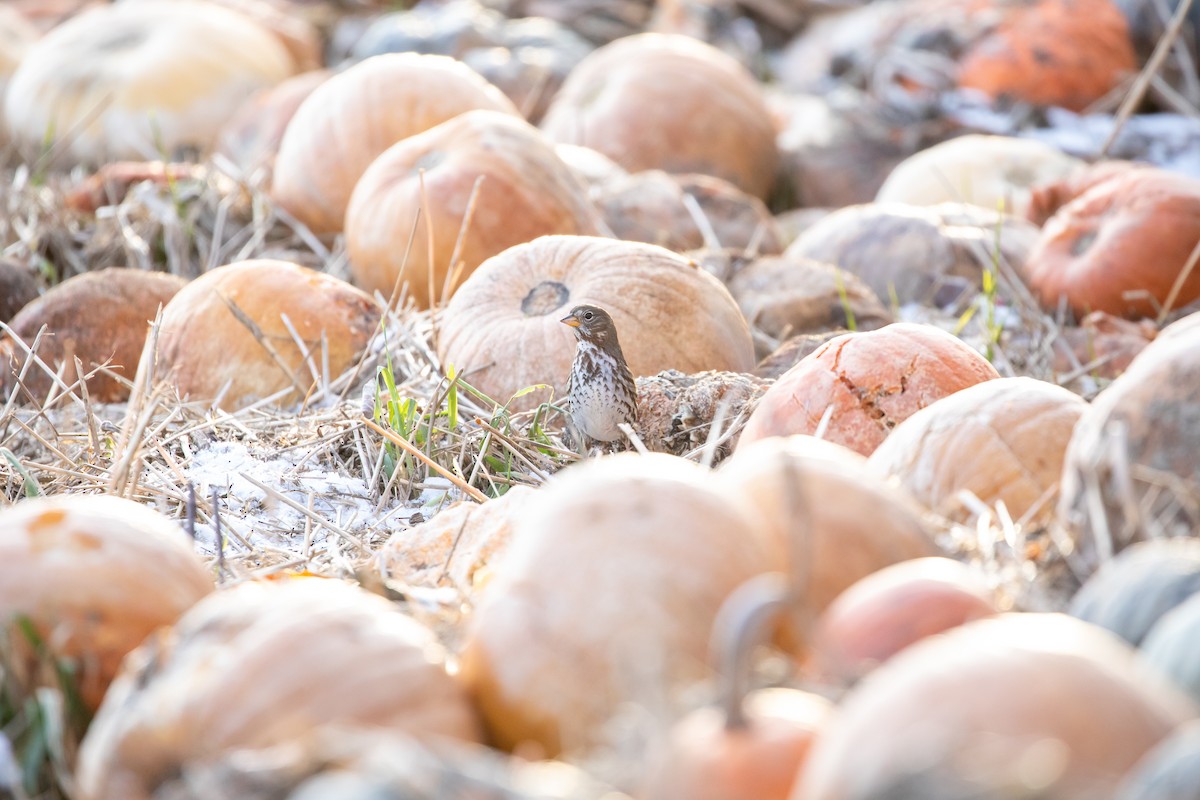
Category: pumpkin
[16,35]
[792,352]
[653,527]
[1132,468]
[94,575]
[910,254]
[836,523]
[286,20]
[139,80]
[1005,706]
[1121,246]
[1100,347]
[783,296]
[653,206]
[668,313]
[1173,646]
[494,167]
[457,546]
[250,138]
[224,337]
[310,651]
[345,123]
[753,746]
[99,317]
[994,172]
[1168,771]
[1002,440]
[676,412]
[672,86]
[1129,593]
[893,608]
[1045,199]
[859,386]
[591,166]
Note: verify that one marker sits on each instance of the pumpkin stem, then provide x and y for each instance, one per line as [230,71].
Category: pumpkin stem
[741,624]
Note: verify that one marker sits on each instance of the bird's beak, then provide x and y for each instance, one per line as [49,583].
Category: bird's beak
[571,320]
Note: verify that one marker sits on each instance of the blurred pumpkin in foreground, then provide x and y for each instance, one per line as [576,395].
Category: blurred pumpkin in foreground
[91,576]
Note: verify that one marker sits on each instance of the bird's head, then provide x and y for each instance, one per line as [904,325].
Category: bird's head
[591,324]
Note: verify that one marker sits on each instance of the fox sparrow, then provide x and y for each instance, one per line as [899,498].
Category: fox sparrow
[600,390]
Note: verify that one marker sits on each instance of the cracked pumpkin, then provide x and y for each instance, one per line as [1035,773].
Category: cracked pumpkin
[867,383]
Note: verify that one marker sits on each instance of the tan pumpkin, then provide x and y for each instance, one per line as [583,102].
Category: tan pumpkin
[1018,703]
[860,386]
[1002,440]
[1121,246]
[422,188]
[930,255]
[98,317]
[218,333]
[656,528]
[95,575]
[836,523]
[669,315]
[345,124]
[250,138]
[140,80]
[1132,468]
[993,172]
[753,746]
[643,99]
[458,546]
[16,35]
[308,652]
[893,608]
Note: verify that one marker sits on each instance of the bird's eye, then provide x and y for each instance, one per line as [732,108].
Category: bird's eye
[588,315]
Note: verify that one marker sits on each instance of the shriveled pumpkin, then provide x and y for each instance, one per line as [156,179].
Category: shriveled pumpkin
[684,212]
[458,546]
[305,652]
[250,138]
[345,124]
[1003,441]
[893,608]
[1132,469]
[1121,246]
[18,287]
[643,101]
[1131,592]
[754,744]
[835,522]
[556,648]
[912,254]
[224,337]
[99,317]
[93,576]
[461,192]
[994,172]
[1014,705]
[858,387]
[132,80]
[502,326]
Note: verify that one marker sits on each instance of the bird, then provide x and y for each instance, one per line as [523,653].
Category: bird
[601,393]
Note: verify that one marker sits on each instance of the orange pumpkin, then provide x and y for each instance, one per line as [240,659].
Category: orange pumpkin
[669,314]
[99,317]
[345,123]
[859,386]
[643,100]
[132,80]
[1013,704]
[250,138]
[1121,246]
[519,187]
[1003,441]
[223,336]
[95,575]
[893,608]
[754,745]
